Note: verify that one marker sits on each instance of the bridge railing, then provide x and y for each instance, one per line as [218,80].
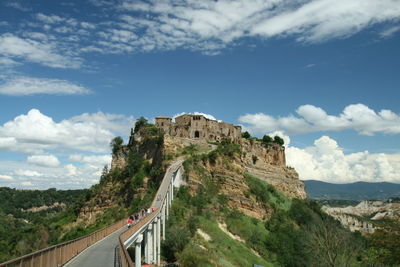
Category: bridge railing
[60,254]
[157,203]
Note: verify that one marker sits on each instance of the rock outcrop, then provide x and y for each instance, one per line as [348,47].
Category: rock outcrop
[269,164]
[361,218]
[229,173]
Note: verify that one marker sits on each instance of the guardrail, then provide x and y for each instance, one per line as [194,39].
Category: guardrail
[157,203]
[60,254]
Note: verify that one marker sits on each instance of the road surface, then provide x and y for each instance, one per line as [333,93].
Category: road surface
[103,253]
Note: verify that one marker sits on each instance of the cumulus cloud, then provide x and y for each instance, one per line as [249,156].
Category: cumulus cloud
[44,160]
[22,86]
[86,132]
[358,117]
[41,52]
[80,143]
[326,161]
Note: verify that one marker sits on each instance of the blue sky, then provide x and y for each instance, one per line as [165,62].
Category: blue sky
[323,74]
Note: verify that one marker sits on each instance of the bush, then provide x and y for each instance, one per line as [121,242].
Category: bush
[279,140]
[116,144]
[176,238]
[267,140]
[227,148]
[246,135]
[254,158]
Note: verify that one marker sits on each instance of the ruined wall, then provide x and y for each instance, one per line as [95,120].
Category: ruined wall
[197,126]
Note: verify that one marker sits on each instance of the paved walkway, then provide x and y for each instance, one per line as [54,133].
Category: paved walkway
[102,253]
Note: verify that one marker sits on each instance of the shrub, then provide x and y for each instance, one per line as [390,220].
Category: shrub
[267,140]
[116,144]
[246,135]
[254,158]
[279,140]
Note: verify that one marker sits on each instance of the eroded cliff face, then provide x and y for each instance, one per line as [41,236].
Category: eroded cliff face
[229,173]
[269,164]
[363,216]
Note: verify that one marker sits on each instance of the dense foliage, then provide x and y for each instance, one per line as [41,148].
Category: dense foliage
[22,231]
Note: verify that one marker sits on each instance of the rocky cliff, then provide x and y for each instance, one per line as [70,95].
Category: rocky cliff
[265,162]
[363,216]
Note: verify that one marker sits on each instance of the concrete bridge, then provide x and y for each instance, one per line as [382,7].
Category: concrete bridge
[108,246]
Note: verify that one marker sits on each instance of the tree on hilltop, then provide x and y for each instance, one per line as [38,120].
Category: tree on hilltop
[116,144]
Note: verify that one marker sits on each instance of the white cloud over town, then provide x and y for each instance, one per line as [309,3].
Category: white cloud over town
[357,117]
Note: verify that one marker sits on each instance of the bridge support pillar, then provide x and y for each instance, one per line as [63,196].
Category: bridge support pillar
[149,245]
[158,240]
[163,221]
[154,243]
[138,251]
[167,205]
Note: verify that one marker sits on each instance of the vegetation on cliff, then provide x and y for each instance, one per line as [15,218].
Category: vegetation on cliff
[204,230]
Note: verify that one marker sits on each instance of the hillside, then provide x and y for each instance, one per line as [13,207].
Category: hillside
[30,219]
[228,217]
[353,191]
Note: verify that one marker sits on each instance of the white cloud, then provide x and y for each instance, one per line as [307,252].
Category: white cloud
[326,161]
[356,117]
[71,170]
[6,177]
[18,6]
[43,53]
[208,26]
[28,173]
[390,32]
[49,19]
[27,184]
[21,86]
[44,160]
[98,159]
[36,132]
[8,62]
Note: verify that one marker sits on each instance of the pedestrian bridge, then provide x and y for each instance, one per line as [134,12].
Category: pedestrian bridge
[108,246]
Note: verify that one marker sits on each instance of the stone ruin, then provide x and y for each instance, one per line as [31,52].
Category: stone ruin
[199,127]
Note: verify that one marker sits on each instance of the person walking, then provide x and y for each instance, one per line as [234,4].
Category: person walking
[130,221]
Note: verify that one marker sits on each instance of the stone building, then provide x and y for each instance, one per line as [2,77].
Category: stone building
[199,127]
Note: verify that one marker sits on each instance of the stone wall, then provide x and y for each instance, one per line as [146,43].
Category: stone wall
[199,127]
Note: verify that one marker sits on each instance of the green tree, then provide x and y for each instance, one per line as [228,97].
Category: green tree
[140,123]
[246,135]
[116,144]
[386,242]
[278,140]
[267,140]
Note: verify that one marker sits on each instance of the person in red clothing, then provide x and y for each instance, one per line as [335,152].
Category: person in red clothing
[130,221]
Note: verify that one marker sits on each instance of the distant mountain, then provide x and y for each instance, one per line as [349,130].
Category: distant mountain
[353,191]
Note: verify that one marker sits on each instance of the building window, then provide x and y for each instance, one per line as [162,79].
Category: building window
[162,124]
[196,134]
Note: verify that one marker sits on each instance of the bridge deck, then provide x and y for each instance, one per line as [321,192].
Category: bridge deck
[103,253]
